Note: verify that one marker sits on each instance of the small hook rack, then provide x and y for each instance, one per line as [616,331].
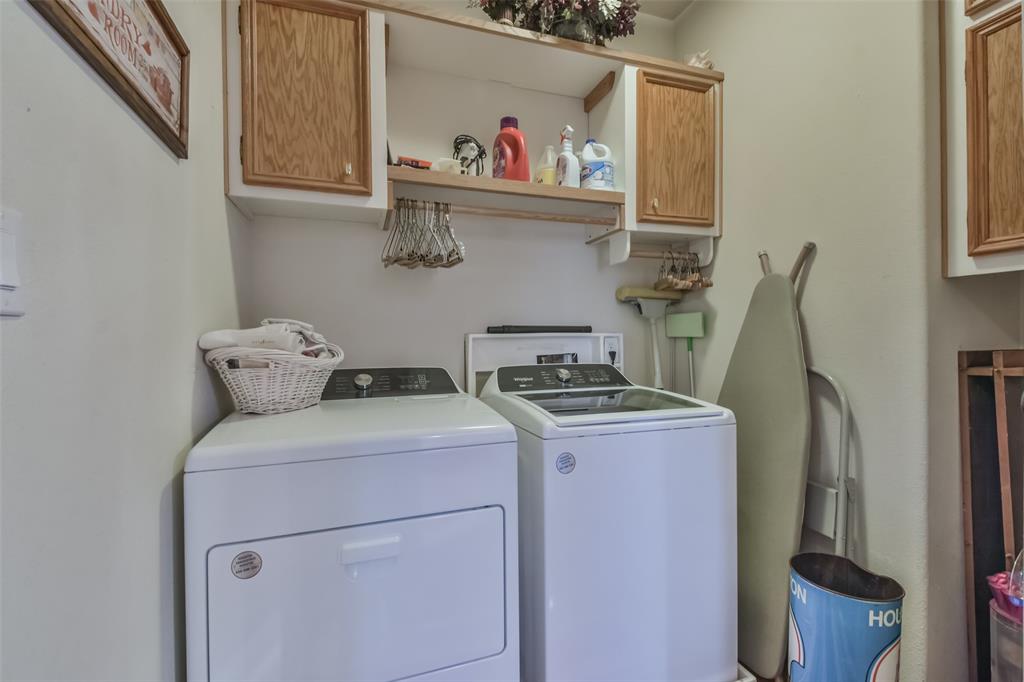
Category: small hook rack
[680,271]
[421,233]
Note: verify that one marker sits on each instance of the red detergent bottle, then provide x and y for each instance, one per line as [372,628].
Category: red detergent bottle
[510,158]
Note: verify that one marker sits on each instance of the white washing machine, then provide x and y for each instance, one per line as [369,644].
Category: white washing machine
[371,537]
[627,527]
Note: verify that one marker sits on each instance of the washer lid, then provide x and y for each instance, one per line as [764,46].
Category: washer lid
[576,407]
[349,428]
[584,403]
[558,401]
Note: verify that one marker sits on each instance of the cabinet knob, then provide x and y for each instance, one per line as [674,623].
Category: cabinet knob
[348,169]
[654,203]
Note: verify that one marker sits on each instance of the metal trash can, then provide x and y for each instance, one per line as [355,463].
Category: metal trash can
[844,622]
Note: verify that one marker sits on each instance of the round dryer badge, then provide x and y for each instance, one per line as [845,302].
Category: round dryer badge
[565,463]
[246,565]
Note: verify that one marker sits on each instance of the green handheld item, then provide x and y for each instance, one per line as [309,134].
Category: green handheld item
[686,326]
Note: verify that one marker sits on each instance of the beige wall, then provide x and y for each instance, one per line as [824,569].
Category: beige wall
[128,254]
[515,272]
[829,138]
[654,35]
[126,257]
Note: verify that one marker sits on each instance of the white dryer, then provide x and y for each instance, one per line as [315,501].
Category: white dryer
[627,499]
[371,537]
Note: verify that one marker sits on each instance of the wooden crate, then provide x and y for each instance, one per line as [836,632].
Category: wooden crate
[992,467]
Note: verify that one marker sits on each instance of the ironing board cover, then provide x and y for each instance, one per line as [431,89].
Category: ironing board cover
[766,387]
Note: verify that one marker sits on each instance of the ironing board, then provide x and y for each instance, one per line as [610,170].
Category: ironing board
[766,387]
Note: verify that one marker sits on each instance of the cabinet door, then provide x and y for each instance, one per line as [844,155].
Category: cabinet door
[676,140]
[995,135]
[306,99]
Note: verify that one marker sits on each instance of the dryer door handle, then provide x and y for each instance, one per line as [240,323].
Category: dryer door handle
[370,550]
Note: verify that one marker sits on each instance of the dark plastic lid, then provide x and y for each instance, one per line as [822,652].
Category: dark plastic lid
[589,140]
[509,122]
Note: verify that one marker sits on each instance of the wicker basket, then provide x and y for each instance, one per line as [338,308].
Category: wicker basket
[291,382]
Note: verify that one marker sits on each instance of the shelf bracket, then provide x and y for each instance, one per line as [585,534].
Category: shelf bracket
[621,248]
[600,91]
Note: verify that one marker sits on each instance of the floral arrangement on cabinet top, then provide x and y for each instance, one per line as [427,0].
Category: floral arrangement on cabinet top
[588,21]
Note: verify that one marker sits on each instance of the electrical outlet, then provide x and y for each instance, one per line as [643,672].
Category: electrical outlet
[612,351]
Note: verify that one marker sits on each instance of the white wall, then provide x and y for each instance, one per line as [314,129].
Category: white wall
[516,272]
[828,138]
[127,255]
[654,36]
[424,117]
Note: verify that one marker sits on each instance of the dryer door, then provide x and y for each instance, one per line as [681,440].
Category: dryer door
[376,602]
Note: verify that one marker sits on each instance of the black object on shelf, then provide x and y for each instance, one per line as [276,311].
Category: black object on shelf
[469,153]
[539,329]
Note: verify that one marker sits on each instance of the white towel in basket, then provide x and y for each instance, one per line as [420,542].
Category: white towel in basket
[304,328]
[280,366]
[276,336]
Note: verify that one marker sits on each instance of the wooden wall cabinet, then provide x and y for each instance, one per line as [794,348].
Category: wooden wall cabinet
[676,165]
[305,109]
[982,121]
[669,128]
[306,103]
[995,134]
[305,96]
[972,7]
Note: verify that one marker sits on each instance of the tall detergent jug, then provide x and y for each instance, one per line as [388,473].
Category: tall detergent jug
[510,158]
[598,169]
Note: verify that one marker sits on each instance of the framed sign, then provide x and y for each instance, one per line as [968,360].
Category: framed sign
[136,48]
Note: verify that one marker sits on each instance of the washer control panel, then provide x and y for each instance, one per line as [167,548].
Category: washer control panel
[553,377]
[388,382]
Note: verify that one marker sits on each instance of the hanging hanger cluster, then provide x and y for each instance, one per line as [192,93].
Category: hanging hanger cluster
[681,272]
[420,233]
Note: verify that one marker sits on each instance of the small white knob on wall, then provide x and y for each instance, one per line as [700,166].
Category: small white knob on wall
[10,280]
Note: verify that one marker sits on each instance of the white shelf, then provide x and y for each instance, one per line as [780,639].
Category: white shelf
[508,197]
[624,244]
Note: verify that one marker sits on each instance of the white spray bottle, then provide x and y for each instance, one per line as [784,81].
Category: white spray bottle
[567,169]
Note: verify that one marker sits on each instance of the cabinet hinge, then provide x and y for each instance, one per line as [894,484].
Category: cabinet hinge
[239,19]
[241,149]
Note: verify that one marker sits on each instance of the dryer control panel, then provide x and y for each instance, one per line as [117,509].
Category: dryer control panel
[554,377]
[388,382]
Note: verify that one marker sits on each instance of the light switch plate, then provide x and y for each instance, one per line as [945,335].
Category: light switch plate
[11,304]
[10,278]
